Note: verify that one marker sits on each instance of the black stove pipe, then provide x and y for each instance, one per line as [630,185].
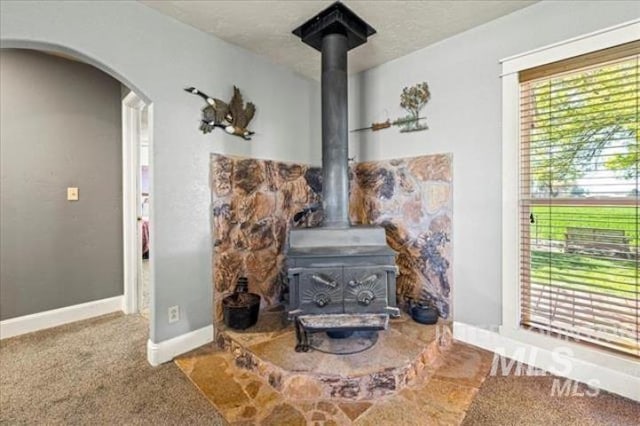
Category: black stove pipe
[335,133]
[334,31]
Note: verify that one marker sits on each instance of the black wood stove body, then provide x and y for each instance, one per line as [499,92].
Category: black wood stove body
[341,278]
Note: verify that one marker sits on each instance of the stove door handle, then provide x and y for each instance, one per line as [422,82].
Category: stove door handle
[368,280]
[323,280]
[365,297]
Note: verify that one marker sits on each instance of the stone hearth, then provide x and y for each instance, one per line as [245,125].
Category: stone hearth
[399,355]
[255,377]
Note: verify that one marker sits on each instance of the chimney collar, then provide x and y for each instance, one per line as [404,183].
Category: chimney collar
[336,18]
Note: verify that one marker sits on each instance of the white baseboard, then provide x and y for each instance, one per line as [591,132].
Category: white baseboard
[614,374]
[53,318]
[158,353]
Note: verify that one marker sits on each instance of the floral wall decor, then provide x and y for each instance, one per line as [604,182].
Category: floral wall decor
[412,99]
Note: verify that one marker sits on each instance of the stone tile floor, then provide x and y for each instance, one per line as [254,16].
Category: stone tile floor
[439,394]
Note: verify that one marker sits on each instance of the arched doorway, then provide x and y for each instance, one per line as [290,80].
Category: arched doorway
[130,177]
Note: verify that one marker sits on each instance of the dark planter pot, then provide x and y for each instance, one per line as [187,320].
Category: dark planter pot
[239,316]
[424,314]
[240,309]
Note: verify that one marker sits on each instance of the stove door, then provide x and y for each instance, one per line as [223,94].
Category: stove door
[365,290]
[321,290]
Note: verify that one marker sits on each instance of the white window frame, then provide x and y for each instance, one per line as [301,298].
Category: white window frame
[615,372]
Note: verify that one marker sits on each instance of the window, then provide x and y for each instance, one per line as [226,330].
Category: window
[579,215]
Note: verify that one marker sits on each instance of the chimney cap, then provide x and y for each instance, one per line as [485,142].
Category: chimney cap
[336,18]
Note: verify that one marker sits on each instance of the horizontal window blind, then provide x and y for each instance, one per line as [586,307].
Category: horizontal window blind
[579,198]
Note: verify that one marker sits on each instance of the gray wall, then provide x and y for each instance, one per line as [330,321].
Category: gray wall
[60,126]
[464,116]
[158,56]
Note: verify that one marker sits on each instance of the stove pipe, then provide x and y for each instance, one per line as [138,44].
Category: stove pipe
[335,132]
[334,32]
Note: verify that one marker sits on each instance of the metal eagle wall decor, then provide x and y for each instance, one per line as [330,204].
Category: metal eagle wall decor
[233,117]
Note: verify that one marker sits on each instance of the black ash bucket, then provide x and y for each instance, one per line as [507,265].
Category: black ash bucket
[241,309]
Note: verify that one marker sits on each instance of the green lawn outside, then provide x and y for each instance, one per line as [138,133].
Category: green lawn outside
[597,272]
[580,272]
[551,222]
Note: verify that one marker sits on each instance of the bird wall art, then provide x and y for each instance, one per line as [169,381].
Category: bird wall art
[233,117]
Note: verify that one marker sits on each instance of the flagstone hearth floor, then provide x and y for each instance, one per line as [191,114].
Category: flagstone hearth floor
[413,375]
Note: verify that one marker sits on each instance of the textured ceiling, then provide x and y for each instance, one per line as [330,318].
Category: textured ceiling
[264,27]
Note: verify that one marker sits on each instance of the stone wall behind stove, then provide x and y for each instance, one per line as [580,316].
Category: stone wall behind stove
[412,199]
[254,203]
[253,207]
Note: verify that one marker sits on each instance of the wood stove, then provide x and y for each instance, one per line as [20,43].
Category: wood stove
[341,278]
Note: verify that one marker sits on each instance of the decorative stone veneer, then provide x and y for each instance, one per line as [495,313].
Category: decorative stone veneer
[412,199]
[254,203]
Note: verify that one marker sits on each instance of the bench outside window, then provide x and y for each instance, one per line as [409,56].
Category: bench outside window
[594,240]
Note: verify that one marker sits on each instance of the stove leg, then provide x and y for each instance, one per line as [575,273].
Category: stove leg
[305,338]
[299,332]
[302,338]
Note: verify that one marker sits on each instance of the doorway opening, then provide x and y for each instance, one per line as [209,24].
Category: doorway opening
[131,106]
[137,193]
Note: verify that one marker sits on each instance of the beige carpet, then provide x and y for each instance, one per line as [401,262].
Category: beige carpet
[94,372]
[145,295]
[524,401]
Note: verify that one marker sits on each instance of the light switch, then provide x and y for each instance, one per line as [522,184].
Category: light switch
[72,194]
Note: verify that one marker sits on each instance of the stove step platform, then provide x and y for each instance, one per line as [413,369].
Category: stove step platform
[306,324]
[401,355]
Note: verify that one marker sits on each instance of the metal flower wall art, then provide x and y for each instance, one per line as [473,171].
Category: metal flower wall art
[412,99]
[233,117]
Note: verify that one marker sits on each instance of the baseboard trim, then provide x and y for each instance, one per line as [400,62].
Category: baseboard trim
[161,352]
[621,381]
[55,317]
